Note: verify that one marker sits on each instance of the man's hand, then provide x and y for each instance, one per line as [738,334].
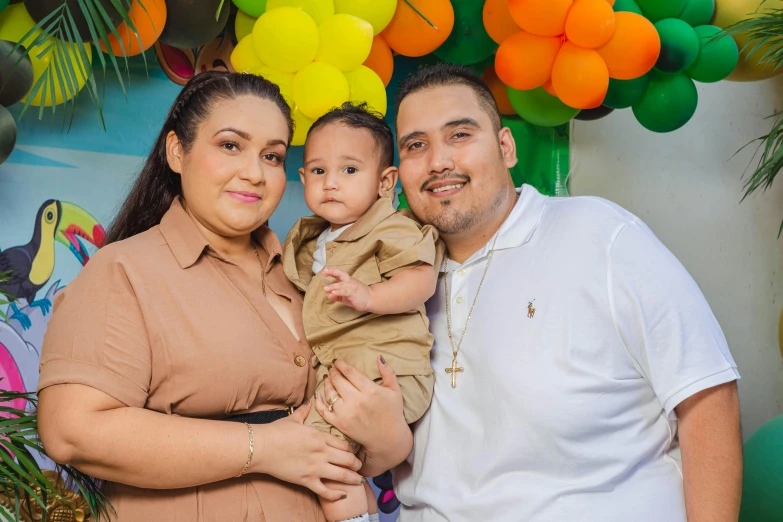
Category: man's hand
[347,290]
[711,444]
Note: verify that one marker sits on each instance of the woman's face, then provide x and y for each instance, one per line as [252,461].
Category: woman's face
[233,176]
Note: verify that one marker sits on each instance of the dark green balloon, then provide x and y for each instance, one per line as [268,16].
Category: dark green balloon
[668,104]
[679,45]
[540,108]
[597,113]
[7,134]
[3,4]
[191,23]
[625,93]
[628,6]
[16,76]
[717,57]
[655,10]
[762,480]
[468,42]
[40,9]
[697,12]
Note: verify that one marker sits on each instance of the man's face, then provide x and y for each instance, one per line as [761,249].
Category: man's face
[453,164]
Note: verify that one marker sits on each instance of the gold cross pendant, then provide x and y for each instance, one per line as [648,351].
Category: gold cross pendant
[454,370]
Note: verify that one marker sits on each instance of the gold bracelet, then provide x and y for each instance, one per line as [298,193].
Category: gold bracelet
[250,454]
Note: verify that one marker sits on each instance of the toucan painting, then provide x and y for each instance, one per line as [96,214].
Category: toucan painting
[29,267]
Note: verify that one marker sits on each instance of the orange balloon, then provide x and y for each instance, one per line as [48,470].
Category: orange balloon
[381,60]
[410,35]
[580,77]
[610,2]
[548,87]
[633,49]
[498,21]
[149,25]
[590,23]
[499,90]
[524,61]
[540,17]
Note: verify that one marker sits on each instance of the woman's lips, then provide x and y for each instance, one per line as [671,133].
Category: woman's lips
[245,197]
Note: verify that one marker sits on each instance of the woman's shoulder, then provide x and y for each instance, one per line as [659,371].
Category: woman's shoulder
[142,248]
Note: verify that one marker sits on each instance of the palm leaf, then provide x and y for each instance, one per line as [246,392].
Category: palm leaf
[21,478]
[70,55]
[765,31]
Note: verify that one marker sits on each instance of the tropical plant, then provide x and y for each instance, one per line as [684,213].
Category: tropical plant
[27,492]
[70,63]
[765,34]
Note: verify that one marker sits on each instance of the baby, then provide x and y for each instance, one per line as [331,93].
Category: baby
[382,267]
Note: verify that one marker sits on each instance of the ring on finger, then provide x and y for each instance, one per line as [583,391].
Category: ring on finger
[333,399]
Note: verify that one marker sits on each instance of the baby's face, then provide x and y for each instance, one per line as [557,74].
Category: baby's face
[342,175]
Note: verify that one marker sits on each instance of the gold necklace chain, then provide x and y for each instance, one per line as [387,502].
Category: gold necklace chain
[263,270]
[454,369]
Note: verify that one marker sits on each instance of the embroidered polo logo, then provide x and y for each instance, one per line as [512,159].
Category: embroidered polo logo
[531,312]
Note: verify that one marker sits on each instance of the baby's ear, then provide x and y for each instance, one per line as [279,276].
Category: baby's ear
[388,180]
[301,175]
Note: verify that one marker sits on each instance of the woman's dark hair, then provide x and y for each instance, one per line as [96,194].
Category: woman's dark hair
[157,185]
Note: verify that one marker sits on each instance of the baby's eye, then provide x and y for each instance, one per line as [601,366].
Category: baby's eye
[350,170]
[318,171]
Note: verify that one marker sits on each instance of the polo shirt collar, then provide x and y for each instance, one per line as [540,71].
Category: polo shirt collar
[187,243]
[519,227]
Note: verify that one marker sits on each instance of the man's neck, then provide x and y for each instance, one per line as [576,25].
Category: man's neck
[462,245]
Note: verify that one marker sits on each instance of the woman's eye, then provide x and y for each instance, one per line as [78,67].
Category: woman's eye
[272,157]
[351,170]
[231,146]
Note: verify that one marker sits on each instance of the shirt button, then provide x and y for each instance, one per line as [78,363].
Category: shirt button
[300,361]
[459,300]
[461,272]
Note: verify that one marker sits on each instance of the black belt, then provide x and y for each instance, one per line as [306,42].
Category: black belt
[260,417]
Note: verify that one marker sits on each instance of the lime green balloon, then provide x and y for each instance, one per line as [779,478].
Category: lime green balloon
[628,6]
[468,42]
[655,10]
[668,104]
[717,57]
[679,45]
[286,39]
[697,12]
[243,25]
[253,8]
[345,41]
[762,480]
[366,87]
[540,108]
[319,87]
[625,93]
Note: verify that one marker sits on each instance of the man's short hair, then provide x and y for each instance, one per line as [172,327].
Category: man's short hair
[360,116]
[444,74]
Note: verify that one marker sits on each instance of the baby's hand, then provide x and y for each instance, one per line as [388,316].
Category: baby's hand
[347,290]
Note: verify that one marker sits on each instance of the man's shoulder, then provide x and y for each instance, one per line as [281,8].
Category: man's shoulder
[587,215]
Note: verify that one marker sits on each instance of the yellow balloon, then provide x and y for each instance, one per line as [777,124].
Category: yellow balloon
[302,125]
[378,12]
[320,10]
[345,41]
[366,86]
[243,25]
[15,23]
[286,38]
[728,12]
[243,57]
[318,88]
[284,80]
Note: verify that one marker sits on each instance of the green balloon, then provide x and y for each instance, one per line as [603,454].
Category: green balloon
[625,93]
[542,156]
[3,4]
[655,10]
[679,45]
[468,42]
[762,481]
[697,12]
[668,104]
[253,8]
[628,6]
[540,108]
[717,57]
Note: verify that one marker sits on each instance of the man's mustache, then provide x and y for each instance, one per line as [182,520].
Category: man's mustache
[463,178]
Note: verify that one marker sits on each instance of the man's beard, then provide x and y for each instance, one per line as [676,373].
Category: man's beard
[449,220]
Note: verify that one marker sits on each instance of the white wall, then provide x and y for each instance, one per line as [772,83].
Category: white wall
[687,187]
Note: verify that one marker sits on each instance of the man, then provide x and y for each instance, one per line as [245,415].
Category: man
[581,356]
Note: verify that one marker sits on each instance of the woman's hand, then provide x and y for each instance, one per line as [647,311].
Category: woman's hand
[368,413]
[292,452]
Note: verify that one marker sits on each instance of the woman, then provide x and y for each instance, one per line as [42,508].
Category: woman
[187,318]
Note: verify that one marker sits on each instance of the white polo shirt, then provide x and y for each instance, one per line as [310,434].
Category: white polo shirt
[567,415]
